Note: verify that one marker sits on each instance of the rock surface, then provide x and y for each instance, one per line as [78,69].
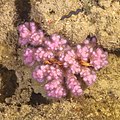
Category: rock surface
[20,96]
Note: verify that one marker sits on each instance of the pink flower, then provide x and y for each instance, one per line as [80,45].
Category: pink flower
[74,85]
[37,38]
[28,56]
[58,64]
[99,58]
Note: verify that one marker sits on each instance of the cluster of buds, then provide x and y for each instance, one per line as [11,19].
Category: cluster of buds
[58,64]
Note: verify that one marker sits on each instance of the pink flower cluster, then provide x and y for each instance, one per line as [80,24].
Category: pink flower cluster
[59,64]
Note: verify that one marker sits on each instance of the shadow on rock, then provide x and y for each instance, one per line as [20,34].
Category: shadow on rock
[8,83]
[23,9]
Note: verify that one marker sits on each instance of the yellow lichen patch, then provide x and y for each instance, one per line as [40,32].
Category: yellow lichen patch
[3,51]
